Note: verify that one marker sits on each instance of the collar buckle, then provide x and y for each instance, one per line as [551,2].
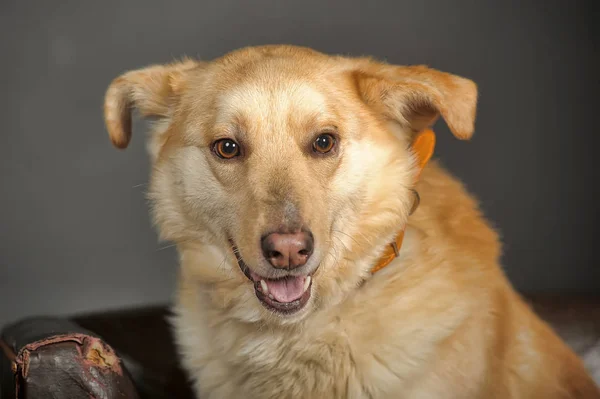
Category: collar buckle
[395,248]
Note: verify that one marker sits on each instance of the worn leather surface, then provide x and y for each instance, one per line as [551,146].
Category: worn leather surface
[144,339]
[55,358]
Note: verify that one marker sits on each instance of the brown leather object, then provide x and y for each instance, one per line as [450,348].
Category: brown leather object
[55,358]
[145,342]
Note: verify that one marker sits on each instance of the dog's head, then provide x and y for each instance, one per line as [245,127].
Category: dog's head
[288,169]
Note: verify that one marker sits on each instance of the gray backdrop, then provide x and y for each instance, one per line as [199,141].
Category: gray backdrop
[75,232]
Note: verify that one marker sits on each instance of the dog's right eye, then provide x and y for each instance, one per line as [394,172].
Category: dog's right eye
[324,143]
[226,148]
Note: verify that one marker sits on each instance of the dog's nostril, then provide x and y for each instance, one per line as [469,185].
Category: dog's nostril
[287,250]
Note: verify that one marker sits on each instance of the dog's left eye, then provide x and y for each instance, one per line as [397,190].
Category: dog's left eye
[324,143]
[226,148]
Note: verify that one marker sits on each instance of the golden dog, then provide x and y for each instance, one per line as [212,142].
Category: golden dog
[283,175]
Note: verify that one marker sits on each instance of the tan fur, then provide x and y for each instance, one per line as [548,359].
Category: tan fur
[441,321]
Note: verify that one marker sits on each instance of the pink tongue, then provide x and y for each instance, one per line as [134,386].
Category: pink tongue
[286,290]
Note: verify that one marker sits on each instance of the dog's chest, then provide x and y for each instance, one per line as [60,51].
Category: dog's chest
[319,361]
[296,366]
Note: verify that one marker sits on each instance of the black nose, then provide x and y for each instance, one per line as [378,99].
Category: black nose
[287,250]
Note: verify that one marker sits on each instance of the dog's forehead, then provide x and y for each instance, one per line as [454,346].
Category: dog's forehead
[272,101]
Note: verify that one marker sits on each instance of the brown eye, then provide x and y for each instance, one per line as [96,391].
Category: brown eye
[226,148]
[324,143]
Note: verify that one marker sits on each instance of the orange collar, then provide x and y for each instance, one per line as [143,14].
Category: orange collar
[422,147]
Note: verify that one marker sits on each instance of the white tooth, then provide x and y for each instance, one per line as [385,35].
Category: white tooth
[271,296]
[265,287]
[306,283]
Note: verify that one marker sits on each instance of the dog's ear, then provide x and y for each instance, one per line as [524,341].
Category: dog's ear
[152,91]
[415,96]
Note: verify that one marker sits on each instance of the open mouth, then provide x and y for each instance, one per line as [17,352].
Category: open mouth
[285,295]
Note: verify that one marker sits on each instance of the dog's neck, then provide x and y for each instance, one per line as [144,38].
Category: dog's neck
[423,147]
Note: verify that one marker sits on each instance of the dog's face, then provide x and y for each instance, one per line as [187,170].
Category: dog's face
[289,169]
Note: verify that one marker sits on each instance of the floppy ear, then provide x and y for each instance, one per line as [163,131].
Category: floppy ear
[415,96]
[153,91]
